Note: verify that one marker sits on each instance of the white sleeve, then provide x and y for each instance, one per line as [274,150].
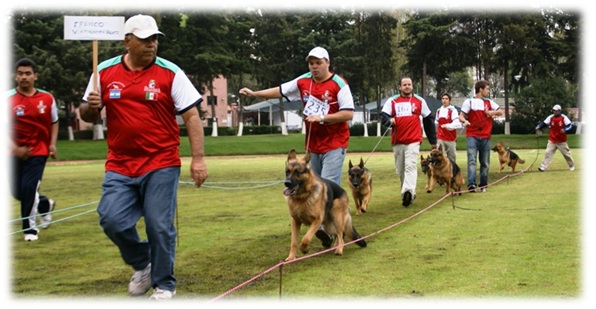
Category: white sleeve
[455,124]
[290,90]
[184,92]
[465,107]
[387,107]
[345,99]
[425,110]
[54,110]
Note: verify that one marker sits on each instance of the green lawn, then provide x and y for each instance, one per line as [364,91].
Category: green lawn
[520,241]
[281,144]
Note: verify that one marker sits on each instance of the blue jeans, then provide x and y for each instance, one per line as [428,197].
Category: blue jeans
[478,147]
[329,165]
[124,201]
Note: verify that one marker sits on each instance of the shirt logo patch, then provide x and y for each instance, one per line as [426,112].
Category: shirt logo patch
[41,107]
[115,93]
[151,92]
[20,110]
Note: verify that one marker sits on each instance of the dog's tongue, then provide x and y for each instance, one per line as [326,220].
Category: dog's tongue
[287,191]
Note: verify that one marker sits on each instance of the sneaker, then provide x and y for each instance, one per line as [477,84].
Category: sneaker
[140,281]
[31,237]
[483,189]
[407,199]
[541,169]
[472,188]
[325,238]
[46,219]
[572,168]
[159,294]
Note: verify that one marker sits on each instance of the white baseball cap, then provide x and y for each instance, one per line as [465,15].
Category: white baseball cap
[318,52]
[142,26]
[557,107]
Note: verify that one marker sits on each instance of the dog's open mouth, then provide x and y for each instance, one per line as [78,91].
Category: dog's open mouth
[290,191]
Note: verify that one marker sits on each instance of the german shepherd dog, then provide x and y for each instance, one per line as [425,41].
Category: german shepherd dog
[360,181]
[444,171]
[425,165]
[313,201]
[507,157]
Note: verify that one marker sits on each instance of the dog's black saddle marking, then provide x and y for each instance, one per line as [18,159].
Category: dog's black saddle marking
[454,167]
[512,155]
[333,191]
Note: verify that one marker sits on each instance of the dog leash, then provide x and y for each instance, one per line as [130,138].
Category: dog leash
[377,145]
[538,134]
[308,137]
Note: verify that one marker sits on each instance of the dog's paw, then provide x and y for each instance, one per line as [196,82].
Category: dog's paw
[304,247]
[289,258]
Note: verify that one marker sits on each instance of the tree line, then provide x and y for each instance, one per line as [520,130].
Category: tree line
[532,57]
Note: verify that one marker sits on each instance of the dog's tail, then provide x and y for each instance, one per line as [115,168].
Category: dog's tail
[361,243]
[520,160]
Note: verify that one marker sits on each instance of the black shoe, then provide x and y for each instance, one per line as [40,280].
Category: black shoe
[407,199]
[326,240]
[472,188]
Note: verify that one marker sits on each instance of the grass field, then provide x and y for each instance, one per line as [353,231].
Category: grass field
[520,241]
[281,144]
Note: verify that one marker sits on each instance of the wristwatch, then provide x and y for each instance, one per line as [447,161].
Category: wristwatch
[322,120]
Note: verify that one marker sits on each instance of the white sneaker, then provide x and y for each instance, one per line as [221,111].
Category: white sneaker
[159,294]
[31,237]
[46,219]
[572,168]
[140,281]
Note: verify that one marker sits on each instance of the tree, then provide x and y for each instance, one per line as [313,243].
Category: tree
[437,45]
[202,42]
[65,66]
[534,102]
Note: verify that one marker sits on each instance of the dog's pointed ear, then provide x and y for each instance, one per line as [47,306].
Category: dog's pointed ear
[350,165]
[361,163]
[292,155]
[307,157]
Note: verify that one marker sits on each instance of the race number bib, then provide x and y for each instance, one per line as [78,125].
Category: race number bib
[403,109]
[315,106]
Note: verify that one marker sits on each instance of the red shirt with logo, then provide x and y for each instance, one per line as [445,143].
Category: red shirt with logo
[448,116]
[557,124]
[332,95]
[32,120]
[141,107]
[407,112]
[481,125]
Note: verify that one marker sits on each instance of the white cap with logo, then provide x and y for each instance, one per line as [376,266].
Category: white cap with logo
[142,26]
[318,52]
[557,107]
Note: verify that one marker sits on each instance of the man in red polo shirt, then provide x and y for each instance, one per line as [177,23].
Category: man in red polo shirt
[403,113]
[328,106]
[559,125]
[34,135]
[142,94]
[477,117]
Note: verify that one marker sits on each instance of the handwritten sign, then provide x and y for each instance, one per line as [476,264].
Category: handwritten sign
[110,28]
